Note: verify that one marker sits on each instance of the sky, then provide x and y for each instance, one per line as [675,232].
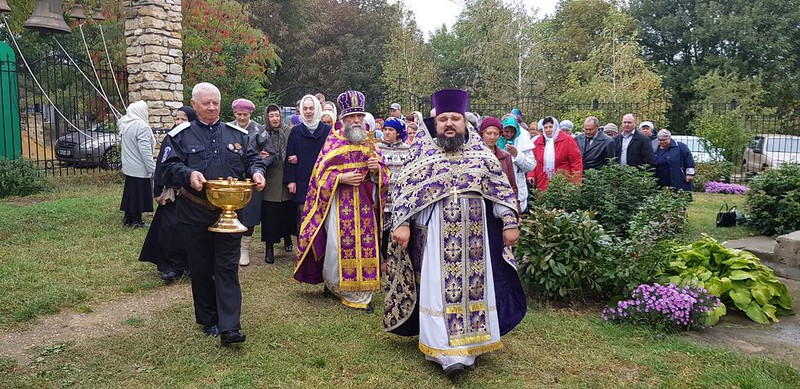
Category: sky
[432,13]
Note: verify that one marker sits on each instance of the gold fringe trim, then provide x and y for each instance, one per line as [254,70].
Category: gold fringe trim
[353,305]
[363,286]
[477,350]
[470,340]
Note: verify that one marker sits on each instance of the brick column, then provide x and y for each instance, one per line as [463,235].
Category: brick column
[154,57]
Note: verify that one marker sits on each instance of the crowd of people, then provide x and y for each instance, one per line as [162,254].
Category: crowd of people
[430,206]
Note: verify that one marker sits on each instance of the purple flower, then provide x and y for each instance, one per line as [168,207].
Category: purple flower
[666,306]
[721,187]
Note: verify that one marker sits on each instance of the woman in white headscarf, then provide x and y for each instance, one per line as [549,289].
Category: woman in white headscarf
[556,152]
[138,145]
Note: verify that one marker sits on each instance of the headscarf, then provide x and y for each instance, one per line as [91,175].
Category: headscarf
[370,121]
[334,110]
[314,122]
[243,105]
[329,113]
[509,121]
[137,111]
[566,125]
[398,125]
[189,111]
[550,148]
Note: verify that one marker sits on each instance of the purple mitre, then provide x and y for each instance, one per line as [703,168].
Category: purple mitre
[450,100]
[351,102]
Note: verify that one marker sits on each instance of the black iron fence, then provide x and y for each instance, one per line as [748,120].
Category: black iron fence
[66,126]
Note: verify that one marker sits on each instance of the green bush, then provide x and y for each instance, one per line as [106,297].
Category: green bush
[19,177]
[711,171]
[725,131]
[630,263]
[561,194]
[773,201]
[662,216]
[558,253]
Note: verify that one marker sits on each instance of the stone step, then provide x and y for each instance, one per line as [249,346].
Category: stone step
[781,255]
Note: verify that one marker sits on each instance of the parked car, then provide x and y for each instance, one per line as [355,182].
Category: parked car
[770,151]
[700,152]
[98,145]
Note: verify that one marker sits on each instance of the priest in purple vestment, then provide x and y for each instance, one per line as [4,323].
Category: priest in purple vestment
[340,230]
[451,277]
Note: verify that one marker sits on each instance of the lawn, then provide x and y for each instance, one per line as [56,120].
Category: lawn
[703,213]
[67,251]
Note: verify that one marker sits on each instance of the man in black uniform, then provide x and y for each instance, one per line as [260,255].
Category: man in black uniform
[208,147]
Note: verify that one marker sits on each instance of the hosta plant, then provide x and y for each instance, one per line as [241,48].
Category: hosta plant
[736,276]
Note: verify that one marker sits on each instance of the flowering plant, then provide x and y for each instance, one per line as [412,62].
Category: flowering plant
[669,308]
[721,187]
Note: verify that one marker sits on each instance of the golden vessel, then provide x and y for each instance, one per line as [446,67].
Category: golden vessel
[229,195]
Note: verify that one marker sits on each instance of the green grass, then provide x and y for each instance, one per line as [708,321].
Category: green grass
[66,250]
[703,215]
[298,339]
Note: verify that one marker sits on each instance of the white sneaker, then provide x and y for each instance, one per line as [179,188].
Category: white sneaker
[244,257]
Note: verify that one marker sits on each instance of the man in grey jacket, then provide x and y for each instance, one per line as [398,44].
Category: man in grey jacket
[596,147]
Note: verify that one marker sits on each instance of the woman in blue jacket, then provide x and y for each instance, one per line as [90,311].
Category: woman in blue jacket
[674,163]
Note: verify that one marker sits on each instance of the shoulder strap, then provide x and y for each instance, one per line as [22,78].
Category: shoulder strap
[236,127]
[179,128]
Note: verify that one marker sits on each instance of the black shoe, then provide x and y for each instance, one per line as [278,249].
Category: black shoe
[170,276]
[454,370]
[369,309]
[140,224]
[287,245]
[211,330]
[229,337]
[326,292]
[270,256]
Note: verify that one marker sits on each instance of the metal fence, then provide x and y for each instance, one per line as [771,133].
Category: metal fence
[66,125]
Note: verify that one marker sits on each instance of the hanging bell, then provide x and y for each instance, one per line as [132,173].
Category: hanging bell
[4,6]
[98,15]
[47,17]
[78,12]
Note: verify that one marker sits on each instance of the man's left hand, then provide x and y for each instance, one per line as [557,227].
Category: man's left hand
[510,236]
[689,178]
[260,181]
[374,163]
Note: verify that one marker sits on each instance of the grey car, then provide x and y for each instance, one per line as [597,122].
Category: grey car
[96,146]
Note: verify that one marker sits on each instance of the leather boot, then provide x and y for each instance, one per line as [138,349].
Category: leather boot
[244,257]
[270,256]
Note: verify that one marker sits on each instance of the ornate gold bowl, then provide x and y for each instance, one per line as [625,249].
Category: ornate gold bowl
[229,195]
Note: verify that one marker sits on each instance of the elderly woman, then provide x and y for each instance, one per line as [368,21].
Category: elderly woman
[556,152]
[250,215]
[490,133]
[394,151]
[518,143]
[162,244]
[674,163]
[328,117]
[137,146]
[611,130]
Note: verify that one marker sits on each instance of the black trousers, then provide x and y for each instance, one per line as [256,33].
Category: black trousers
[214,267]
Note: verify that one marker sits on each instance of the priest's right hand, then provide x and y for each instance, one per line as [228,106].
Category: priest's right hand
[351,178]
[196,180]
[401,235]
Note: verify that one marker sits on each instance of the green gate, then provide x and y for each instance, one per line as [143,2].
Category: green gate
[10,136]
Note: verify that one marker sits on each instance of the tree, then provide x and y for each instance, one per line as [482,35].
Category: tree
[220,46]
[409,64]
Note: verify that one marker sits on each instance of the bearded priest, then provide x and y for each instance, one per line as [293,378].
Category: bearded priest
[451,277]
[340,230]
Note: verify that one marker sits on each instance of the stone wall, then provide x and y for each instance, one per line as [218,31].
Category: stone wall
[155,57]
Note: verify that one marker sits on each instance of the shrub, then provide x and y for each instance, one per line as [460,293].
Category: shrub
[615,193]
[558,253]
[773,201]
[668,308]
[19,177]
[632,262]
[736,276]
[561,194]
[725,131]
[711,171]
[721,187]
[662,216]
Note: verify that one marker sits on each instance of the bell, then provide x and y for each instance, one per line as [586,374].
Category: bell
[47,17]
[4,6]
[77,12]
[98,15]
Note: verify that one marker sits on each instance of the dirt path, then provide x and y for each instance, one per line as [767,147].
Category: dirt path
[106,318]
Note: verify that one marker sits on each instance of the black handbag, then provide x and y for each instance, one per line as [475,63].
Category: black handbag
[726,217]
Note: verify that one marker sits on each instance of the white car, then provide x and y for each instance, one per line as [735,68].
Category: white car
[770,151]
[700,152]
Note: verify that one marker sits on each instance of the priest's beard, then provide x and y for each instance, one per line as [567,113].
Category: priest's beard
[354,133]
[450,144]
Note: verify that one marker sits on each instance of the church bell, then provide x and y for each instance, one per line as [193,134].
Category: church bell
[47,17]
[77,12]
[4,6]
